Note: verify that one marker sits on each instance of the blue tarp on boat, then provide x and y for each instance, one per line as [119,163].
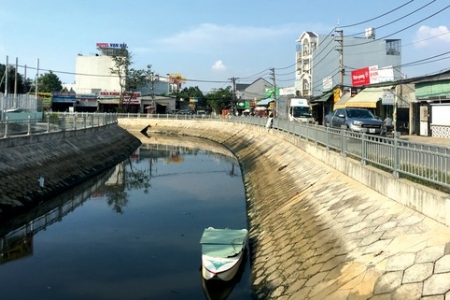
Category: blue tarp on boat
[223,242]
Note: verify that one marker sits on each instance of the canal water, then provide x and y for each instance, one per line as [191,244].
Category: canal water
[130,233]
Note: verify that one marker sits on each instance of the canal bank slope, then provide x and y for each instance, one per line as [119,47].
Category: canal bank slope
[316,233]
[35,167]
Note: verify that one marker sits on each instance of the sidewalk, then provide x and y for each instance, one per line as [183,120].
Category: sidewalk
[427,140]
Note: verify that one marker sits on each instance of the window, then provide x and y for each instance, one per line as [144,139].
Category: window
[393,47]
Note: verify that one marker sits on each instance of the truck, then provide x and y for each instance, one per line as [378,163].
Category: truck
[300,111]
[355,119]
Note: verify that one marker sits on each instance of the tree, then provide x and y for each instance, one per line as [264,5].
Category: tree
[220,99]
[122,62]
[22,86]
[193,92]
[49,83]
[136,79]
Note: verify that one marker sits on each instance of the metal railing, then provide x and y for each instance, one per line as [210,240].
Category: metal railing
[425,163]
[28,124]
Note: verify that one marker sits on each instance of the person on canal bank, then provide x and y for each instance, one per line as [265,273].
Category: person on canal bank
[269,123]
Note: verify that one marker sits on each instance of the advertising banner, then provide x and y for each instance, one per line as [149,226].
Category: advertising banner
[370,75]
[327,83]
[360,77]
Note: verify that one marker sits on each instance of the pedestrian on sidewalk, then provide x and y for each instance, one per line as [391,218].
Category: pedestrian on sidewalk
[269,123]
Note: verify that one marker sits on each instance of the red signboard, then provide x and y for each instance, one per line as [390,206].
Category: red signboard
[360,77]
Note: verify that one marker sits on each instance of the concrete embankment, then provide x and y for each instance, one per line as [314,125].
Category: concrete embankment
[35,167]
[316,233]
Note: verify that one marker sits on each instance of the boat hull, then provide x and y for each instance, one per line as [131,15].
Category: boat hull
[220,268]
[222,252]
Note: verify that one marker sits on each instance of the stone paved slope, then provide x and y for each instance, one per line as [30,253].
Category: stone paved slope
[318,234]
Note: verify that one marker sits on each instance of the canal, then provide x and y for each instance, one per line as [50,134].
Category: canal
[132,232]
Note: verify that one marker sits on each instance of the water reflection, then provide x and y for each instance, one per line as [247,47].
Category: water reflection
[16,235]
[130,233]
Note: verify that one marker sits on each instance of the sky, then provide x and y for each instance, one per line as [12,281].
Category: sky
[211,41]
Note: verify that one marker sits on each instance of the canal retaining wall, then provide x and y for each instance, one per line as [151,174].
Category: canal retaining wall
[323,226]
[239,137]
[35,167]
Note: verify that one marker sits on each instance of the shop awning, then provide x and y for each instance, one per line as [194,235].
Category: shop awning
[367,98]
[265,101]
[323,98]
[436,89]
[341,103]
[111,102]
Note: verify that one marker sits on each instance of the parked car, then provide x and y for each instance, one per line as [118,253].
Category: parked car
[185,112]
[354,119]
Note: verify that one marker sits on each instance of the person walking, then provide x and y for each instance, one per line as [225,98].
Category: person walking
[269,123]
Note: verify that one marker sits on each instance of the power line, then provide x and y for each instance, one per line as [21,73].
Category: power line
[384,37]
[398,19]
[377,17]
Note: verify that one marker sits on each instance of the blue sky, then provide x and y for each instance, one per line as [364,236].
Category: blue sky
[211,41]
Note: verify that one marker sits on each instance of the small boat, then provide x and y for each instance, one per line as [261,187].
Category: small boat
[221,290]
[222,252]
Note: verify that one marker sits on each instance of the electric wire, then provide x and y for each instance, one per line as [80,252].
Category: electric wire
[396,20]
[377,17]
[426,60]
[403,29]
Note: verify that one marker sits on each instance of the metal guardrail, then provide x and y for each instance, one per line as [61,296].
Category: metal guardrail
[425,163]
[53,122]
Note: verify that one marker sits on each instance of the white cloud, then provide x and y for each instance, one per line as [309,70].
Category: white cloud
[218,66]
[427,36]
[209,37]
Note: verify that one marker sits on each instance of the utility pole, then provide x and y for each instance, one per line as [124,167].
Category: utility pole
[15,82]
[274,83]
[233,99]
[6,77]
[340,48]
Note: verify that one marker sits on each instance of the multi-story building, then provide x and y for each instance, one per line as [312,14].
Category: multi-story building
[98,89]
[324,61]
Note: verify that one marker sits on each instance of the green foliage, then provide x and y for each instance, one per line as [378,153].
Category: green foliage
[53,118]
[136,79]
[23,86]
[193,92]
[49,82]
[220,99]
[122,62]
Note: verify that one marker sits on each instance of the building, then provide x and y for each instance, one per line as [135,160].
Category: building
[430,111]
[248,95]
[324,61]
[93,72]
[96,89]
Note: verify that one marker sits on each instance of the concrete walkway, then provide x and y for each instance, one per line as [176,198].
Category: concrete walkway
[427,140]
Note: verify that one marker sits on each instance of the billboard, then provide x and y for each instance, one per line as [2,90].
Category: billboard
[63,97]
[327,83]
[360,77]
[111,45]
[370,75]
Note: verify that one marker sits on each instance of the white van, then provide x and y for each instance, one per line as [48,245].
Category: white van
[300,111]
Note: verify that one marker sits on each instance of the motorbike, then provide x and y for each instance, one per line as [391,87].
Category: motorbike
[388,131]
